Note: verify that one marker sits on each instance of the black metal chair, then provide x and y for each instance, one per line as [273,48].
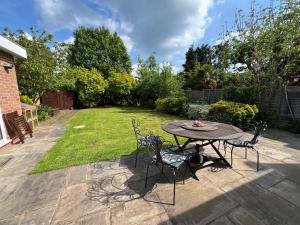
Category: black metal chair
[259,129]
[167,156]
[141,137]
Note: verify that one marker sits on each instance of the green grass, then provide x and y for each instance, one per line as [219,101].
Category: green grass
[107,135]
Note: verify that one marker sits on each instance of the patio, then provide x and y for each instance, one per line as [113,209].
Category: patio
[112,192]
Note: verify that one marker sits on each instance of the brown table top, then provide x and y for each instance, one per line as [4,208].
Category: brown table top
[224,131]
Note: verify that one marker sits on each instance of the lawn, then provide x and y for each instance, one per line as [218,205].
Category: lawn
[106,133]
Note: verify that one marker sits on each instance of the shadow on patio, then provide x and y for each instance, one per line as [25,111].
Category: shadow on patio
[222,196]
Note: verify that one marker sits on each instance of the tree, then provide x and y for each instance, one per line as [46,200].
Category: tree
[267,44]
[36,74]
[200,55]
[98,48]
[121,85]
[202,77]
[155,82]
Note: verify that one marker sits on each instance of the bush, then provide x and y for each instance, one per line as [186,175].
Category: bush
[88,84]
[25,99]
[174,105]
[241,115]
[44,112]
[294,127]
[121,85]
[197,111]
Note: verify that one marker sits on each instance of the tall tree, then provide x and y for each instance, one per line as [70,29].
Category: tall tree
[98,48]
[267,43]
[36,74]
[155,82]
[200,55]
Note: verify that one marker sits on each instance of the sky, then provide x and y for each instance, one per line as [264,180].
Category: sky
[166,28]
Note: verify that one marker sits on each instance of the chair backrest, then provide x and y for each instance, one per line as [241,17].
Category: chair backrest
[155,144]
[136,129]
[260,128]
[8,119]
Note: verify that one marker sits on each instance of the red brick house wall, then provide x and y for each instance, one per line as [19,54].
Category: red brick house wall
[9,91]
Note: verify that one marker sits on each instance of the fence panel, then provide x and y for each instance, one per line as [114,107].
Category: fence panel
[274,105]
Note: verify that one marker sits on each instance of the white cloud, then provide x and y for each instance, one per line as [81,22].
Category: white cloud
[69,14]
[220,2]
[134,70]
[28,36]
[165,27]
[127,41]
[227,37]
[69,40]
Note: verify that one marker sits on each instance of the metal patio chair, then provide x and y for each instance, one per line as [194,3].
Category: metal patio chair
[167,156]
[260,128]
[141,136]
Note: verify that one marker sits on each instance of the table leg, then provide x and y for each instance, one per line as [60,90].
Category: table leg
[178,144]
[195,159]
[220,155]
[192,171]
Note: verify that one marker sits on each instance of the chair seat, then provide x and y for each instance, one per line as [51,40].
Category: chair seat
[143,140]
[239,143]
[172,158]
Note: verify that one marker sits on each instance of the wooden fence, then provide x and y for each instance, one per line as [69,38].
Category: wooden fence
[274,105]
[58,99]
[209,96]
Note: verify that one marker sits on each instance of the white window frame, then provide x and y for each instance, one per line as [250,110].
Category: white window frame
[5,139]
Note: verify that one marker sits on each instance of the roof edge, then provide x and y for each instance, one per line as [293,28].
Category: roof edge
[12,48]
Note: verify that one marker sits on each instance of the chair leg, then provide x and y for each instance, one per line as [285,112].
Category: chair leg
[136,156]
[183,176]
[174,177]
[257,162]
[246,153]
[231,155]
[147,175]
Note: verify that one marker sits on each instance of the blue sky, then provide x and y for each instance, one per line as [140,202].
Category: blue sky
[166,27]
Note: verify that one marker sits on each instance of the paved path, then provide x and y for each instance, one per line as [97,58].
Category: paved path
[112,192]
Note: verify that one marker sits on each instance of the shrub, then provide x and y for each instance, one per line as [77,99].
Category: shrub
[121,85]
[241,115]
[197,111]
[44,112]
[174,105]
[294,127]
[26,99]
[90,86]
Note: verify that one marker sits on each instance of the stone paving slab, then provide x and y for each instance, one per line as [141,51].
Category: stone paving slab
[288,190]
[263,204]
[241,216]
[222,221]
[136,212]
[197,202]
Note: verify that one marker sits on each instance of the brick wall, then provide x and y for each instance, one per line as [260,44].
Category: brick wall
[9,91]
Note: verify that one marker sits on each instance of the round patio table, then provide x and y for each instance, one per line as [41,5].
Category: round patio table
[222,133]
